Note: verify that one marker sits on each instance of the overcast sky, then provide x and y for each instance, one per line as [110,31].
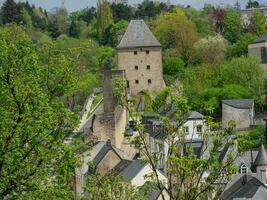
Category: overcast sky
[79,4]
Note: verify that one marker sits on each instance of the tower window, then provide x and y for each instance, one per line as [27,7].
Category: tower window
[136,67]
[148,66]
[243,169]
[135,52]
[136,81]
[149,81]
[147,52]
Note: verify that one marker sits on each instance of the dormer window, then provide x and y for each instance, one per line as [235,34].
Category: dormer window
[186,130]
[243,169]
[199,129]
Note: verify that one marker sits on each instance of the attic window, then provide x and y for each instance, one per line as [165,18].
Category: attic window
[186,130]
[199,129]
[243,169]
[147,52]
[135,52]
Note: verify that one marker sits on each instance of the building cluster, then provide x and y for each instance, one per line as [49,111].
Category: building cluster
[140,66]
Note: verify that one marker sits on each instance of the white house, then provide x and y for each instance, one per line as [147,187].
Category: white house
[136,171]
[194,126]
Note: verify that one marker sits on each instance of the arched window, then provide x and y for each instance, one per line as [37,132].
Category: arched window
[243,169]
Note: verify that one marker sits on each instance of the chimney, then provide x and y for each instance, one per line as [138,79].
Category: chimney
[108,143]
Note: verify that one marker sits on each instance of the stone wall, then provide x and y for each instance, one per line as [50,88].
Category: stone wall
[255,50]
[143,68]
[242,117]
[110,160]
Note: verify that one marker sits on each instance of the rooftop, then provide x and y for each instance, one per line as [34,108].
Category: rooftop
[261,39]
[239,103]
[138,35]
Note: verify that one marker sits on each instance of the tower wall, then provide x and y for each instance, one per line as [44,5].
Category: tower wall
[143,68]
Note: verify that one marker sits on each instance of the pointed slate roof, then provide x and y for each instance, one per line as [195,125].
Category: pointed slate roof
[138,35]
[261,39]
[195,115]
[261,157]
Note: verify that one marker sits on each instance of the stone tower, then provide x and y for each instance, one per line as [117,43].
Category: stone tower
[261,164]
[139,54]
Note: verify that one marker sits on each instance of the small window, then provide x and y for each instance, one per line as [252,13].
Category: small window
[128,85]
[147,52]
[137,81]
[186,130]
[135,52]
[148,66]
[136,67]
[243,169]
[199,129]
[149,81]
[264,55]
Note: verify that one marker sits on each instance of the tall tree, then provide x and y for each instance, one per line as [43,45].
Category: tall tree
[122,12]
[233,28]
[104,17]
[175,31]
[10,12]
[35,163]
[257,23]
[74,30]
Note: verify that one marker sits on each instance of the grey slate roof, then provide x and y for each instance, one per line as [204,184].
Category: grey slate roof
[149,191]
[261,39]
[138,35]
[195,115]
[261,157]
[246,186]
[239,103]
[132,169]
[101,149]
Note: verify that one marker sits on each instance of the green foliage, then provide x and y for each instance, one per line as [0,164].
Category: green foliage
[210,50]
[252,139]
[111,34]
[173,66]
[174,30]
[150,9]
[34,122]
[242,71]
[233,28]
[10,12]
[240,48]
[257,23]
[104,18]
[110,187]
[122,12]
[201,19]
[74,30]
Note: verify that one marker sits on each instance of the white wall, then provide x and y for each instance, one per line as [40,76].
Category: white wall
[192,128]
[140,180]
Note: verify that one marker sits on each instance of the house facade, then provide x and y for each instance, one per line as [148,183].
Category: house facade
[240,111]
[139,54]
[258,49]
